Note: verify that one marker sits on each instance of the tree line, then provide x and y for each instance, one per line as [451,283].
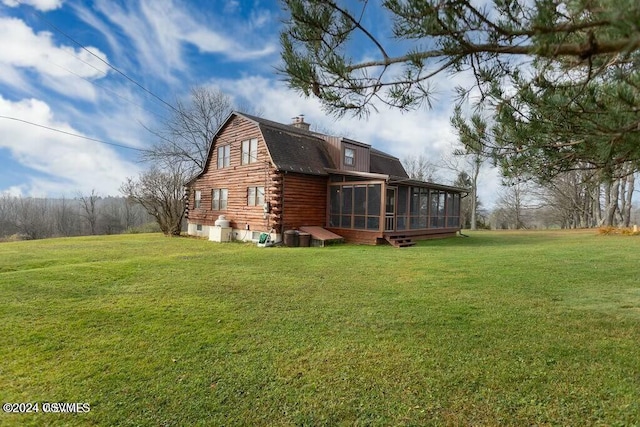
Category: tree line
[574,199]
[23,218]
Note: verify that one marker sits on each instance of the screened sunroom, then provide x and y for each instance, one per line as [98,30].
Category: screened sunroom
[379,206]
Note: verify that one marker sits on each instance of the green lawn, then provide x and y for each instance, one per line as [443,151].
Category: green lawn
[536,328]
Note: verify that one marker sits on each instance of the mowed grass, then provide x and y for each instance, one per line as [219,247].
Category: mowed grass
[501,328]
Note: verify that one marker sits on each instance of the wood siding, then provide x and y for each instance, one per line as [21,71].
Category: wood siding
[361,237]
[236,178]
[361,160]
[305,200]
[433,233]
[437,234]
[336,146]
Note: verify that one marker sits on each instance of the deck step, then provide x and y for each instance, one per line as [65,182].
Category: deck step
[400,241]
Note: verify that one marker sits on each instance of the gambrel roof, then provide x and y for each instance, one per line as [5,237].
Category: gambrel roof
[386,164]
[293,149]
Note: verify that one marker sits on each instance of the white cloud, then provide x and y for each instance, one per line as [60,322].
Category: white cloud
[91,19]
[120,121]
[43,5]
[231,6]
[23,50]
[13,191]
[11,76]
[70,163]
[260,18]
[161,30]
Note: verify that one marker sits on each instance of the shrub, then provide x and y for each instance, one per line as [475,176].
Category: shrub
[607,230]
[623,231]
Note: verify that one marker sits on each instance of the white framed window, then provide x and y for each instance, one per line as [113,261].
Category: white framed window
[197,199]
[224,156]
[219,197]
[249,151]
[255,196]
[349,156]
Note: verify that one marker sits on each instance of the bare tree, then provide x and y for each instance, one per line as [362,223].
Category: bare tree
[513,204]
[572,198]
[187,134]
[470,205]
[88,210]
[8,215]
[66,216]
[627,186]
[130,213]
[161,192]
[33,217]
[474,137]
[420,168]
[110,220]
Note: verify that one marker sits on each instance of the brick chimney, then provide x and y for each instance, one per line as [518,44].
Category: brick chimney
[300,123]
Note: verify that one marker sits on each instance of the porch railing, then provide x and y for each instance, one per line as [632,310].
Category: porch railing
[389,222]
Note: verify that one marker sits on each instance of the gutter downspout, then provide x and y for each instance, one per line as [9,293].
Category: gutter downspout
[282,224]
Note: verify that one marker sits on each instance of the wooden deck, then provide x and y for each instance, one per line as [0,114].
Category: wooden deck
[402,239]
[399,240]
[321,236]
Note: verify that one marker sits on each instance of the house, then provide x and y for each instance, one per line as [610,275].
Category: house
[270,177]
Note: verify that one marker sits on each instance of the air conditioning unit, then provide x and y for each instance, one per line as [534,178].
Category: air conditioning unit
[220,234]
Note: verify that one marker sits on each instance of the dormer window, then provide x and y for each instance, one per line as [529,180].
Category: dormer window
[349,156]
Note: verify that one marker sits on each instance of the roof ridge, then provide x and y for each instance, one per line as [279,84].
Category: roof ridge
[383,154]
[280,126]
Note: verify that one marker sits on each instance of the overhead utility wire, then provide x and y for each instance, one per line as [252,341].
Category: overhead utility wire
[75,134]
[41,16]
[124,98]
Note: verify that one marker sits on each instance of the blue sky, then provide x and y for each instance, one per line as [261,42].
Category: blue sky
[167,46]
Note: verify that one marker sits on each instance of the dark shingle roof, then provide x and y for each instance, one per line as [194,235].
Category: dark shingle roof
[293,149]
[295,152]
[298,150]
[385,164]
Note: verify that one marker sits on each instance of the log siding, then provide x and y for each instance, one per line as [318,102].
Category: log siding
[236,179]
[305,200]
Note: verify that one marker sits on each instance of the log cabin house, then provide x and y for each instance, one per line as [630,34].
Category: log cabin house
[269,177]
